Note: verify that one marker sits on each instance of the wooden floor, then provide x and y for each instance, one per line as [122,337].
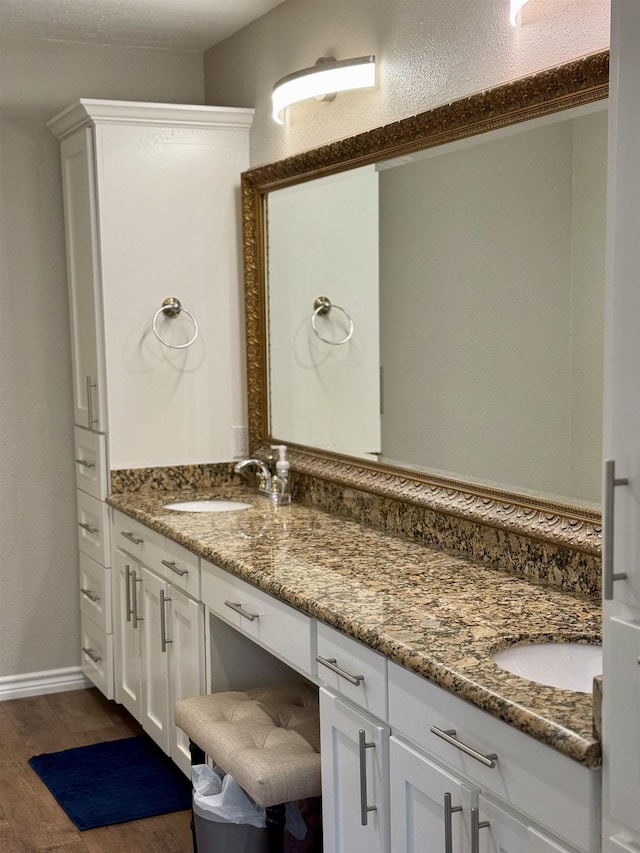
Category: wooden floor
[30,818]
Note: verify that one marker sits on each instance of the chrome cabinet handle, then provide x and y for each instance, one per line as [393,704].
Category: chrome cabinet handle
[85,464]
[92,655]
[134,588]
[237,607]
[135,539]
[449,735]
[331,664]
[610,483]
[363,746]
[476,826]
[88,527]
[128,576]
[448,828]
[90,386]
[90,595]
[170,564]
[163,622]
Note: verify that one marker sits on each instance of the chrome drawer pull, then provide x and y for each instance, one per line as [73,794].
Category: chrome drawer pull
[88,527]
[85,464]
[90,595]
[330,663]
[363,746]
[92,655]
[448,828]
[171,565]
[128,578]
[134,588]
[163,622]
[90,386]
[136,540]
[610,483]
[476,826]
[449,735]
[237,607]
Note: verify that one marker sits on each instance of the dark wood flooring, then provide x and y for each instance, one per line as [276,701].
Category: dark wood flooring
[30,818]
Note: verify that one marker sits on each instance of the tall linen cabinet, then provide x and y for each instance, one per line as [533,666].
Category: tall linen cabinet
[621,548]
[152,212]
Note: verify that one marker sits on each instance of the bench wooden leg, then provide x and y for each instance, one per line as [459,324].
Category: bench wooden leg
[275,820]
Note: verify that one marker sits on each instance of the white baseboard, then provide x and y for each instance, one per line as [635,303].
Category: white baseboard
[39,683]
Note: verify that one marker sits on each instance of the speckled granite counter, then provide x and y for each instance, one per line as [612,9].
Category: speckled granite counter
[433,612]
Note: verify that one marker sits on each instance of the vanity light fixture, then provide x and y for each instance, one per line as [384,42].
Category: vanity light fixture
[322,81]
[514,12]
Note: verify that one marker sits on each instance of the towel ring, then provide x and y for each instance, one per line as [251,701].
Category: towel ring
[172,307]
[323,305]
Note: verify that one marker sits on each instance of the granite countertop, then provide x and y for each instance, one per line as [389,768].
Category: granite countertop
[437,614]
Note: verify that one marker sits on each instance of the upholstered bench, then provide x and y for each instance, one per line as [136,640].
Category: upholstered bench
[267,738]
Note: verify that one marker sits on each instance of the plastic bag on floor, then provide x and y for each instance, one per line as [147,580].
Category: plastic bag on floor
[218,797]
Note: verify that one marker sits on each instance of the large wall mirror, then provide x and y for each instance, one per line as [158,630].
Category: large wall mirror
[425,306]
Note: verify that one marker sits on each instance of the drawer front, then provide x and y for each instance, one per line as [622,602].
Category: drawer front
[182,568]
[143,543]
[97,656]
[93,528]
[91,463]
[276,626]
[354,662]
[95,593]
[533,778]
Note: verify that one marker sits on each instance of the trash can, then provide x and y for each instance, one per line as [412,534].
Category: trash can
[225,818]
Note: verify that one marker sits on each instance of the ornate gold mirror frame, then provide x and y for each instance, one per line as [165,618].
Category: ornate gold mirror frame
[573,84]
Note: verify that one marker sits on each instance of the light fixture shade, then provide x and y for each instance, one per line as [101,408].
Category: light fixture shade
[324,78]
[514,11]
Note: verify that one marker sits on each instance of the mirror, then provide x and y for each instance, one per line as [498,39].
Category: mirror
[461,253]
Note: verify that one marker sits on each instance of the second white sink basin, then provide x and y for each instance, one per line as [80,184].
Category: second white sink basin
[207,506]
[570,666]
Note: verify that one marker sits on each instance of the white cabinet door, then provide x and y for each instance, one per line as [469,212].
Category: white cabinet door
[84,279]
[500,831]
[621,703]
[185,635]
[430,808]
[154,712]
[355,778]
[127,631]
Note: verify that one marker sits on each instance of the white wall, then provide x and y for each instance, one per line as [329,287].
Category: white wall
[39,621]
[429,52]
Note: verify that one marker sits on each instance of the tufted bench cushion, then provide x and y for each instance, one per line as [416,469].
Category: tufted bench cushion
[267,738]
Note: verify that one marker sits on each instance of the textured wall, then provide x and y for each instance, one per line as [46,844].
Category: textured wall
[429,52]
[39,619]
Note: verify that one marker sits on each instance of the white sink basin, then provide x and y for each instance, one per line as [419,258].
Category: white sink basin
[570,666]
[207,506]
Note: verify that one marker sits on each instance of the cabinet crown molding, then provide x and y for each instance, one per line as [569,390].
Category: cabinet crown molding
[89,111]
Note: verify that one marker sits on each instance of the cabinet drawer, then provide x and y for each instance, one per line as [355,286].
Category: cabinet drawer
[276,626]
[533,778]
[143,543]
[355,662]
[182,568]
[93,528]
[97,656]
[95,593]
[91,463]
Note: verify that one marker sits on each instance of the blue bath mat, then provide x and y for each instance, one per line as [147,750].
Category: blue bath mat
[113,782]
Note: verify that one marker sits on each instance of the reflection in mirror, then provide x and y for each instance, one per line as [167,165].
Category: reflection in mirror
[473,273]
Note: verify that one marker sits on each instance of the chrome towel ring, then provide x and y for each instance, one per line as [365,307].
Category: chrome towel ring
[172,307]
[323,305]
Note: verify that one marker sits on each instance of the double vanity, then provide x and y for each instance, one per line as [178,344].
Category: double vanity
[400,638]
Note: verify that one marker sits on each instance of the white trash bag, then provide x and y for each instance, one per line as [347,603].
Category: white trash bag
[218,797]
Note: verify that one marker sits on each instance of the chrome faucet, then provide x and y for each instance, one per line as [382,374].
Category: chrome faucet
[264,474]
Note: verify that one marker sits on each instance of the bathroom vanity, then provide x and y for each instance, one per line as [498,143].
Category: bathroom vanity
[399,639]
